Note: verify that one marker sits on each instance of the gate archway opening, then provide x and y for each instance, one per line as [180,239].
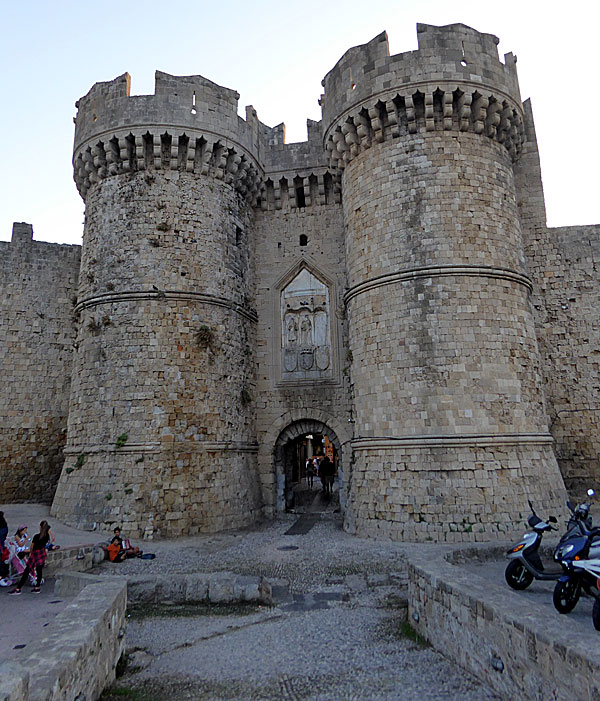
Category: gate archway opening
[298,442]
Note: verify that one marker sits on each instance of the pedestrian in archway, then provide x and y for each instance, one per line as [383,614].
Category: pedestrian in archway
[310,473]
[327,471]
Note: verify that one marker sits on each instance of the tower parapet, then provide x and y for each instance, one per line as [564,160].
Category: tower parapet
[453,82]
[189,125]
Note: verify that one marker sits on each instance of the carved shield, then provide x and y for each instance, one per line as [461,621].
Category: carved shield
[322,357]
[290,359]
[306,358]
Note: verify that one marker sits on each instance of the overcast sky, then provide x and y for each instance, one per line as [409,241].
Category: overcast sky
[275,55]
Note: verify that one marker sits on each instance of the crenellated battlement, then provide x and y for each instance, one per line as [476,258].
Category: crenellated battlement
[186,102]
[454,81]
[190,124]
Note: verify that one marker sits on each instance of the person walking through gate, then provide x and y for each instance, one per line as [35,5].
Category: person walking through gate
[310,473]
[327,471]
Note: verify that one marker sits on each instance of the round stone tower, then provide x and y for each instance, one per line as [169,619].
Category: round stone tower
[160,435]
[451,434]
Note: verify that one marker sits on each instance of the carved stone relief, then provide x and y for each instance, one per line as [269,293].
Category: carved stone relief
[305,329]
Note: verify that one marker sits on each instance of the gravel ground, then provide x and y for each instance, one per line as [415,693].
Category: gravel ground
[344,651]
[337,630]
[326,552]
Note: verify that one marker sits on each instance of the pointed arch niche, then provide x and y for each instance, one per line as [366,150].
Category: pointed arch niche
[306,345]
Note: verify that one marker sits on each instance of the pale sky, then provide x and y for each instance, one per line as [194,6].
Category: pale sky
[275,55]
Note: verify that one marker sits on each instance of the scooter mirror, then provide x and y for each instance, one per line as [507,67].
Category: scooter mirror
[590,492]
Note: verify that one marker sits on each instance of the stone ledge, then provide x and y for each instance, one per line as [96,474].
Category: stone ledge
[14,681]
[214,588]
[77,655]
[494,635]
[76,558]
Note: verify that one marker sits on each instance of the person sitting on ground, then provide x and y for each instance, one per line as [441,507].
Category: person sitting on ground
[36,560]
[120,548]
[22,542]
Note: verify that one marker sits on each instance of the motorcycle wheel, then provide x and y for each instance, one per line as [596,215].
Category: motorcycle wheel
[517,575]
[566,595]
[596,614]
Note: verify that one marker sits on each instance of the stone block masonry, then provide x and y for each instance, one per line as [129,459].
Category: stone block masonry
[440,326]
[389,283]
[78,653]
[494,634]
[38,284]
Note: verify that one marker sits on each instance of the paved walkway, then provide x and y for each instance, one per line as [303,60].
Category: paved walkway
[24,617]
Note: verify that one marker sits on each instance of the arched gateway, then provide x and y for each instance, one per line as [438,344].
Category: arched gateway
[298,440]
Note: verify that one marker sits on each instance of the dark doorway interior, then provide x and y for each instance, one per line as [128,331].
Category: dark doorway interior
[299,489]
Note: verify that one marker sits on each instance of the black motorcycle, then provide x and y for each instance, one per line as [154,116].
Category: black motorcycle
[577,553]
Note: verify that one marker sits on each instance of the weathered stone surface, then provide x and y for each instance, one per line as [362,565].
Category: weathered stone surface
[390,283]
[38,284]
[77,655]
[14,681]
[493,635]
[215,588]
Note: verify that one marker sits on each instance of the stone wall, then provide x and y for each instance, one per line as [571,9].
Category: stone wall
[38,282]
[76,657]
[567,261]
[564,265]
[280,255]
[490,632]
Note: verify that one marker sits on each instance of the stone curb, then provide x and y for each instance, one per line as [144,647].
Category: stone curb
[14,681]
[214,588]
[494,635]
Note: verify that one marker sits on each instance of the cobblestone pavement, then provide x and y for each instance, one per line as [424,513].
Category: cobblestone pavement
[336,632]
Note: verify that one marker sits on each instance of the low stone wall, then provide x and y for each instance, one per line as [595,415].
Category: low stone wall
[14,681]
[77,559]
[494,635]
[214,588]
[78,653]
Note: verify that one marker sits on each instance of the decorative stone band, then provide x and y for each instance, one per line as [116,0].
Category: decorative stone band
[159,446]
[203,153]
[438,271]
[303,188]
[166,295]
[450,441]
[470,107]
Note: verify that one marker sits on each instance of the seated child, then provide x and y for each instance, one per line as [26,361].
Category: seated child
[22,542]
